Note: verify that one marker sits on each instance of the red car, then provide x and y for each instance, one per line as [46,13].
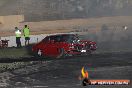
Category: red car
[61,45]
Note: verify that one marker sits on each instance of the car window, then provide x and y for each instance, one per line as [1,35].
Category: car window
[46,39]
[55,38]
[62,38]
[58,38]
[72,38]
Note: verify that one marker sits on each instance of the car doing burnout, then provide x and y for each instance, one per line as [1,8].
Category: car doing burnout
[61,45]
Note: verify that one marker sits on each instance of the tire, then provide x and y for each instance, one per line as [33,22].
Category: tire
[62,53]
[89,52]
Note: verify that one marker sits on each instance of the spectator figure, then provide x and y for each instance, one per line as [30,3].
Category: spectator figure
[26,32]
[18,37]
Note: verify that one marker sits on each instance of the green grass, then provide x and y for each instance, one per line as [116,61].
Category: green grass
[14,52]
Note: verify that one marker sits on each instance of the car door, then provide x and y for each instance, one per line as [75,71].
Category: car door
[45,46]
[51,48]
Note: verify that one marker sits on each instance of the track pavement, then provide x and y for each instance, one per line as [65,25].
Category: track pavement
[64,73]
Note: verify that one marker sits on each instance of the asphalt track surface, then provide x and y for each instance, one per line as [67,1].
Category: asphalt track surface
[64,73]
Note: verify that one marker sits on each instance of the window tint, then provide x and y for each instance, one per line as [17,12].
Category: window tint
[57,38]
[46,39]
[62,38]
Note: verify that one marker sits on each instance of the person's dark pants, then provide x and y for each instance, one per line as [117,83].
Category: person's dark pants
[18,42]
[27,40]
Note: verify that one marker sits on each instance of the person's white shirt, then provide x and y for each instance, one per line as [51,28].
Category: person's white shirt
[18,32]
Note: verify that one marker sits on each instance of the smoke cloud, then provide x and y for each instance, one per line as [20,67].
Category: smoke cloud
[112,38]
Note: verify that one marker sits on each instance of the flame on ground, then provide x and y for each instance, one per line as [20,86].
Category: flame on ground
[84,73]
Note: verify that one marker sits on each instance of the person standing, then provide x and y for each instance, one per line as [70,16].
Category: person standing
[18,37]
[26,32]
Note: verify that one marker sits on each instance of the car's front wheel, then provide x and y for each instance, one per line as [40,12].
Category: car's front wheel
[89,52]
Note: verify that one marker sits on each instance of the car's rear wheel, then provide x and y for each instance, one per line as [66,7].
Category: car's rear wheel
[62,53]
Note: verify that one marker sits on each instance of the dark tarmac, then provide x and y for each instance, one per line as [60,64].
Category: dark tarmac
[64,73]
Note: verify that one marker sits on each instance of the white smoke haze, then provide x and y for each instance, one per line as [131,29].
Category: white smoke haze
[112,38]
